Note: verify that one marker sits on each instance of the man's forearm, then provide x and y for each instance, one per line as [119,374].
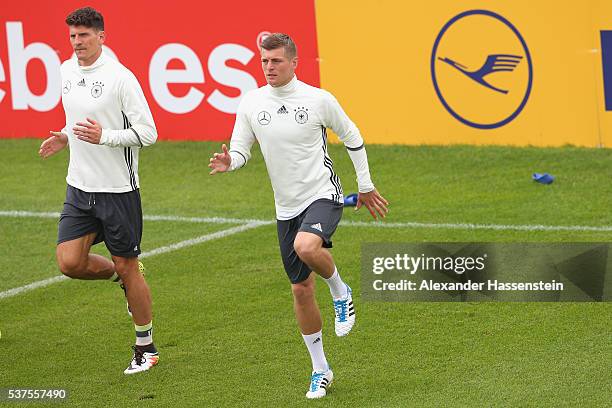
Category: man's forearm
[139,137]
[359,158]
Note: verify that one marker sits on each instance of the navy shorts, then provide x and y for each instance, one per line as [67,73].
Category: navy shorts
[115,217]
[320,218]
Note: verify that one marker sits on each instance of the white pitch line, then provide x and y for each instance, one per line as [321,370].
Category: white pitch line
[34,285]
[380,224]
[29,214]
[203,238]
[212,220]
[208,220]
[153,252]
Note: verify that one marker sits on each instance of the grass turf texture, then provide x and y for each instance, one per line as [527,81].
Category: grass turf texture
[222,309]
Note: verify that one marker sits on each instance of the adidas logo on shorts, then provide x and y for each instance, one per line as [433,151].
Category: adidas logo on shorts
[317,226]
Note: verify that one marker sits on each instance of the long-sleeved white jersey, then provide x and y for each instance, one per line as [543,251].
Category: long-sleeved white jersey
[110,94]
[290,123]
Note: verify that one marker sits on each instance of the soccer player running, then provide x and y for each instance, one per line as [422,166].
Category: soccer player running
[107,121]
[289,120]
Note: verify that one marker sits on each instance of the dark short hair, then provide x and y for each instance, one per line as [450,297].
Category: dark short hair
[278,40]
[86,17]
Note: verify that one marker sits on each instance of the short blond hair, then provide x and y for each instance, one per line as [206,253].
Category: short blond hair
[280,40]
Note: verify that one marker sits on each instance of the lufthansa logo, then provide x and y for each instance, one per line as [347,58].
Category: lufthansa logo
[481,69]
[96,90]
[301,115]
[66,87]
[264,118]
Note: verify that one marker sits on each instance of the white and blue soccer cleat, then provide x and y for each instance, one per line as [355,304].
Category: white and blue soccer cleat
[319,383]
[345,313]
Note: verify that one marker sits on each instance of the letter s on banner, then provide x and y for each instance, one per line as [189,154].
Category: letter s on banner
[229,76]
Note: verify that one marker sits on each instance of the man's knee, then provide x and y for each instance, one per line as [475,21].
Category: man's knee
[71,265]
[125,266]
[303,291]
[72,256]
[307,245]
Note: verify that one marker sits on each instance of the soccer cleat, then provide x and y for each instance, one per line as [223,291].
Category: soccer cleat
[141,269]
[345,313]
[319,383]
[141,361]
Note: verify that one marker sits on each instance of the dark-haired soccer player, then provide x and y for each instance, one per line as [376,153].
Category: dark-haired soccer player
[107,122]
[289,120]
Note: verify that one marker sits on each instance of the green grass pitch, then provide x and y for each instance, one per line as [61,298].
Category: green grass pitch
[223,318]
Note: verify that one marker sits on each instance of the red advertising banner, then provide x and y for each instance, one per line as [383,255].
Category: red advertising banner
[194,60]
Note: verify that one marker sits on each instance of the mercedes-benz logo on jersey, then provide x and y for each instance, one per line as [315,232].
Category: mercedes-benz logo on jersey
[481,69]
[301,115]
[264,118]
[66,87]
[96,89]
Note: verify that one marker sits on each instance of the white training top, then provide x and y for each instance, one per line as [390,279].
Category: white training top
[110,94]
[290,122]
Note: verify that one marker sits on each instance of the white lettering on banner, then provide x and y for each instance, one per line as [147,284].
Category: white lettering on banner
[2,79]
[19,56]
[160,77]
[229,76]
[260,37]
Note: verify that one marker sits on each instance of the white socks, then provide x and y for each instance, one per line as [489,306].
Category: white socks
[337,287]
[314,343]
[144,334]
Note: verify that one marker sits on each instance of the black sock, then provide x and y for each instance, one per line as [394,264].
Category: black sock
[149,348]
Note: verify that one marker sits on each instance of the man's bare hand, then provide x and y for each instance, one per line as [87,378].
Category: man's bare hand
[374,202]
[90,131]
[220,162]
[53,144]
